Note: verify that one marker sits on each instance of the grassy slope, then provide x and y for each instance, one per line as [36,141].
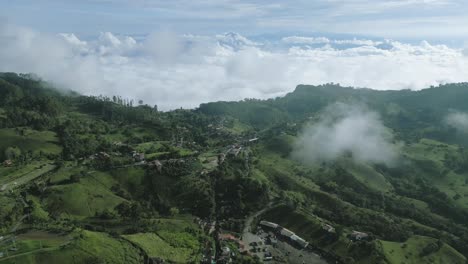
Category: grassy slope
[130,178]
[155,246]
[35,141]
[409,252]
[85,198]
[171,241]
[305,223]
[25,175]
[367,175]
[433,153]
[86,247]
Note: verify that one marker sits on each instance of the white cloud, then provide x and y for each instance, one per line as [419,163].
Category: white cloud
[346,129]
[174,70]
[361,42]
[465,50]
[305,40]
[164,47]
[324,40]
[458,120]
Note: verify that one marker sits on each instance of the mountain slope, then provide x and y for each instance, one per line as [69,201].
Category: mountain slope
[101,169]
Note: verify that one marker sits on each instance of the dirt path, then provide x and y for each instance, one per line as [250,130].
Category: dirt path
[27,177]
[30,252]
[248,221]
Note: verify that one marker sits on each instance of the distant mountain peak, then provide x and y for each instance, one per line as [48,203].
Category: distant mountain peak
[235,40]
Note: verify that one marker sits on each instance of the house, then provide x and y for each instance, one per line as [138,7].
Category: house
[155,164]
[221,158]
[156,260]
[358,236]
[118,144]
[235,150]
[138,156]
[225,255]
[267,256]
[227,237]
[8,163]
[328,228]
[274,241]
[212,228]
[252,140]
[269,224]
[103,156]
[226,251]
[299,241]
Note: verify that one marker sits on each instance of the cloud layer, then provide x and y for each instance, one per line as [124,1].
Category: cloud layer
[174,70]
[346,129]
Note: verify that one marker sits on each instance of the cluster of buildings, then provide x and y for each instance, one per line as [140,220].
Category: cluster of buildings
[100,156]
[137,156]
[328,228]
[234,150]
[286,234]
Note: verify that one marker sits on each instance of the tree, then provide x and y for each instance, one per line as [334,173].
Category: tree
[174,211]
[75,177]
[12,152]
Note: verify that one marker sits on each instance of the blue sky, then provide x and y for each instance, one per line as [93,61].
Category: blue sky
[442,21]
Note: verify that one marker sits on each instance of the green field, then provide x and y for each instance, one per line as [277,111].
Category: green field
[83,247]
[31,243]
[411,252]
[432,155]
[22,175]
[155,246]
[31,140]
[172,241]
[83,199]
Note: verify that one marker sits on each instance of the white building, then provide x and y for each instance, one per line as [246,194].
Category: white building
[299,241]
[286,232]
[269,224]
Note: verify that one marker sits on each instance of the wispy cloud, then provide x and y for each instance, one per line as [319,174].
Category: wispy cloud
[382,18]
[346,130]
[458,120]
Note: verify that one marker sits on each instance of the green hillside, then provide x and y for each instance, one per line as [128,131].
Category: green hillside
[98,180]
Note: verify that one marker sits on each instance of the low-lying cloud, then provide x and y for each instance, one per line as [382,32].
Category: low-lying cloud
[346,130]
[174,70]
[458,120]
